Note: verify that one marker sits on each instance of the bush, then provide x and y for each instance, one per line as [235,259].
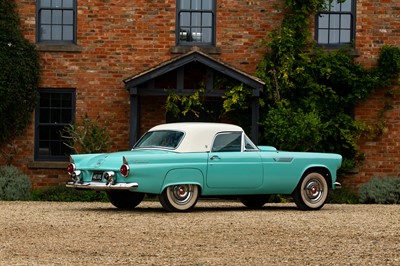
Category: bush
[381,190]
[61,193]
[342,196]
[14,185]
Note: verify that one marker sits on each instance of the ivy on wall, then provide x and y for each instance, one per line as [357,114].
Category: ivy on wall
[19,74]
[310,93]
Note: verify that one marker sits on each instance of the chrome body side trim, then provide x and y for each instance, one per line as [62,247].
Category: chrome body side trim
[102,186]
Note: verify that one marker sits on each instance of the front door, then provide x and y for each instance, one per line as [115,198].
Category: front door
[229,167]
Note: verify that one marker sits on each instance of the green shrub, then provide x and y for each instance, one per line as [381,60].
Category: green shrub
[343,196]
[14,185]
[381,190]
[61,193]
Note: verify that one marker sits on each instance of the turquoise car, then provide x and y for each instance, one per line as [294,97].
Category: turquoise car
[180,162]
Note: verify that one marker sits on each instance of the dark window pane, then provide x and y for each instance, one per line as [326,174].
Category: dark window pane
[44,116]
[68,34]
[207,37]
[345,36]
[206,20]
[45,3]
[45,33]
[196,19]
[56,17]
[334,36]
[44,99]
[66,100]
[196,4]
[184,34]
[68,17]
[66,117]
[185,19]
[56,32]
[45,17]
[56,3]
[196,35]
[55,116]
[185,4]
[323,21]
[345,21]
[44,133]
[67,3]
[207,5]
[346,6]
[323,36]
[44,148]
[334,21]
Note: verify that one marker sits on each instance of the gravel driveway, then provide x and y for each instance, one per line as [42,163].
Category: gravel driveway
[215,233]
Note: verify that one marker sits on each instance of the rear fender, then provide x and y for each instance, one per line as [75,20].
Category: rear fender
[183,176]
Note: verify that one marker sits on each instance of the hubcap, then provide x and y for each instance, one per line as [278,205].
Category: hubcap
[314,190]
[182,193]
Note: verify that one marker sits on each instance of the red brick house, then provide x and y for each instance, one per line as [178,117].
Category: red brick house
[114,58]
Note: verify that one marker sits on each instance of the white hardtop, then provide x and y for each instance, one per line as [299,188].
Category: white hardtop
[198,135]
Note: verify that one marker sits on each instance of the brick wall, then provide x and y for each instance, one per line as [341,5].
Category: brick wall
[378,23]
[119,39]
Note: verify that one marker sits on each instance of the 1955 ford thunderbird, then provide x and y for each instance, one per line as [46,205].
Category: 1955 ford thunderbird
[181,162]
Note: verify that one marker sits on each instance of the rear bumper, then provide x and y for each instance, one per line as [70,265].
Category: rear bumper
[102,186]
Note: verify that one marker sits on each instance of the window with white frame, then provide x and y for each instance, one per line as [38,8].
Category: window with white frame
[335,26]
[56,21]
[195,22]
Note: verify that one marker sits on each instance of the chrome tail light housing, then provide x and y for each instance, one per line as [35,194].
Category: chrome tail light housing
[124,169]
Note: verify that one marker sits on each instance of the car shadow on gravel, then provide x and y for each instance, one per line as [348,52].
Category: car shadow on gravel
[197,209]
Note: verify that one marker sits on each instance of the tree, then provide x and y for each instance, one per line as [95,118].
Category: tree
[19,74]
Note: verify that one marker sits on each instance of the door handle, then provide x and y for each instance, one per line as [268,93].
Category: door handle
[215,157]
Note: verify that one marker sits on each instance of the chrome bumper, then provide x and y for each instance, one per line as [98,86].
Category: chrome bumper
[338,185]
[102,186]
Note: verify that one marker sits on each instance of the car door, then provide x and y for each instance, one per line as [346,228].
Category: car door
[230,167]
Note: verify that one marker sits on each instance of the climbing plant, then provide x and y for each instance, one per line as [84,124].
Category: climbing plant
[310,93]
[19,74]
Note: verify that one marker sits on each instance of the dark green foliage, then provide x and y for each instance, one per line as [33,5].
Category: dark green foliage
[19,74]
[381,190]
[342,196]
[310,93]
[61,193]
[14,185]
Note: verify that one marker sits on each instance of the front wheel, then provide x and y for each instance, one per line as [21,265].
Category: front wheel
[179,198]
[124,199]
[311,192]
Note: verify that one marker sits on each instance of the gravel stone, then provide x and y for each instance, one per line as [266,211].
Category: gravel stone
[214,233]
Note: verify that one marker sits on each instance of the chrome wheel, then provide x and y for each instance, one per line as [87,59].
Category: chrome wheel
[311,192]
[179,197]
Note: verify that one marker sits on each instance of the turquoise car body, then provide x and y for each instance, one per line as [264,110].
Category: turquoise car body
[244,170]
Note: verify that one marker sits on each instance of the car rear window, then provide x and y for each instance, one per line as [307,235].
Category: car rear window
[167,139]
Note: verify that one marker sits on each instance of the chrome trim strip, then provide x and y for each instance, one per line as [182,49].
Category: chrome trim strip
[102,186]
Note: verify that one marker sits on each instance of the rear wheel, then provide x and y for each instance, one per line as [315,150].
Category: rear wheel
[254,201]
[311,192]
[179,198]
[124,199]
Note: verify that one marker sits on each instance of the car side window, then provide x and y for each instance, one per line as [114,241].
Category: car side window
[227,142]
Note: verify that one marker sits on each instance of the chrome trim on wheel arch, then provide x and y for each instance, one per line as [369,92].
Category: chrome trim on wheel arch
[102,186]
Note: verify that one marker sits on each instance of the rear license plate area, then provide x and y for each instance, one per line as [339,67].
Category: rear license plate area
[97,176]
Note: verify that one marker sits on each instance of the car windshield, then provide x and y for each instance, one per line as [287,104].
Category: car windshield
[167,139]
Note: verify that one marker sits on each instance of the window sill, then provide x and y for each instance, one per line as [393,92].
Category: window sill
[50,47]
[350,51]
[182,49]
[47,165]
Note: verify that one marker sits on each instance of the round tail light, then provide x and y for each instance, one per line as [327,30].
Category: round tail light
[124,170]
[71,168]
